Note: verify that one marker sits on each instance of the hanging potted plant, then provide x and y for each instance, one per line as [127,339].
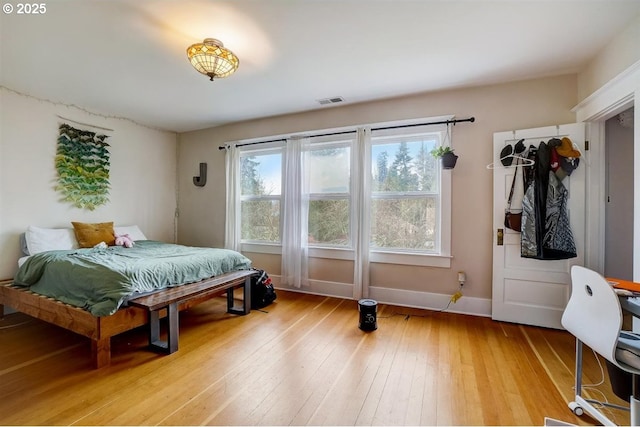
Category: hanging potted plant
[449,158]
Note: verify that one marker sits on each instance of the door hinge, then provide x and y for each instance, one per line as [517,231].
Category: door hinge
[586,146]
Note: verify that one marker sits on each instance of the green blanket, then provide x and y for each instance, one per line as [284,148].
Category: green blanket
[101,280]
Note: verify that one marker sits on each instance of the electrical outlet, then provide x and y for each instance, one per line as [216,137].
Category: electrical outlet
[462,277]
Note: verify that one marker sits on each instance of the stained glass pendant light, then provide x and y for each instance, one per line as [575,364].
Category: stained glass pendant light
[212,59]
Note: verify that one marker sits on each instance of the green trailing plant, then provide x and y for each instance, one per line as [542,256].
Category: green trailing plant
[82,162]
[441,150]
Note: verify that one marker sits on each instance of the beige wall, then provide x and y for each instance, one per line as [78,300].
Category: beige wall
[609,84]
[618,55]
[496,108]
[143,170]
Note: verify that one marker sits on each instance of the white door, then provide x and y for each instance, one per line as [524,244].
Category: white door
[525,290]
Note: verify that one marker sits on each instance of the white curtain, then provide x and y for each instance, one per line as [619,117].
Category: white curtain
[361,212]
[295,215]
[232,167]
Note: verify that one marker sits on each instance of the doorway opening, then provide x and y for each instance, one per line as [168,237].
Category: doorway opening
[619,197]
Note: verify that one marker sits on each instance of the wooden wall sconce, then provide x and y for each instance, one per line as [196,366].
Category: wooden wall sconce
[201,180]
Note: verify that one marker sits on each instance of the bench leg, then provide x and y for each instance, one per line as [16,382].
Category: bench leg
[171,344]
[246,299]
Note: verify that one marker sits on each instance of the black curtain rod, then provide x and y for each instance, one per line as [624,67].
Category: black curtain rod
[444,122]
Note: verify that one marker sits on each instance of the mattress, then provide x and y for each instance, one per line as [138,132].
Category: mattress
[101,280]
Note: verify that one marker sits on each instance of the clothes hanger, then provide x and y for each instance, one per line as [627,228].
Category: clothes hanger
[509,152]
[524,161]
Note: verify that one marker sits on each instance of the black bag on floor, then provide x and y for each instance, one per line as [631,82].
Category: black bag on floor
[262,292]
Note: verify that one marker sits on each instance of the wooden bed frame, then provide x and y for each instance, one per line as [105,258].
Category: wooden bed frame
[101,329]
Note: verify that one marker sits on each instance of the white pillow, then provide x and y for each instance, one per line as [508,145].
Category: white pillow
[132,230]
[50,239]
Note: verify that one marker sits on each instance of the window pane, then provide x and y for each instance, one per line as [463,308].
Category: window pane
[404,223]
[405,165]
[260,220]
[329,222]
[328,170]
[261,174]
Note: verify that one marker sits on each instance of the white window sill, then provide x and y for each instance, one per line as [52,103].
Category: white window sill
[423,260]
[415,259]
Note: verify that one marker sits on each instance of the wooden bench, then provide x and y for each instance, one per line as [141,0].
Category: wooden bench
[171,298]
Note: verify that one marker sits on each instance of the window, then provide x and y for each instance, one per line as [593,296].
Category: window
[329,166]
[408,199]
[260,195]
[405,193]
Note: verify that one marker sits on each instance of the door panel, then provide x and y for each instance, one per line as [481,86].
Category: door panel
[525,290]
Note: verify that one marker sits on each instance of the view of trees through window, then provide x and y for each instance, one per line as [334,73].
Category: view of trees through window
[260,189]
[404,194]
[329,194]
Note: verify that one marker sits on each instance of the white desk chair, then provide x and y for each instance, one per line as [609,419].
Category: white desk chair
[594,316]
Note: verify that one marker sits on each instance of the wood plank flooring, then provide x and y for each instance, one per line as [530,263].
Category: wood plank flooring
[301,361]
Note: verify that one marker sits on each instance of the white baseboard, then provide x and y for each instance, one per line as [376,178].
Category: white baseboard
[431,301]
[319,287]
[403,298]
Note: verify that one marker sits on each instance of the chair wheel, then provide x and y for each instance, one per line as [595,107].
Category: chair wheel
[576,409]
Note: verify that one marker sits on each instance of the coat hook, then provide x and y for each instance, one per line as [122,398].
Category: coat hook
[201,180]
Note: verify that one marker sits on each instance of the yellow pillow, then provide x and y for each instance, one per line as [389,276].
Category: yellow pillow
[89,235]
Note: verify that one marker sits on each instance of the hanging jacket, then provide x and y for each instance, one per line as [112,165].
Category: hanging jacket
[542,167]
[528,241]
[557,242]
[546,234]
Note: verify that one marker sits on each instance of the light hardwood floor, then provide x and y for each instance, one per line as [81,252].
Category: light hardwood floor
[301,361]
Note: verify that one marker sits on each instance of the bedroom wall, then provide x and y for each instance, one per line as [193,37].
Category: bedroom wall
[611,83]
[614,58]
[496,108]
[142,176]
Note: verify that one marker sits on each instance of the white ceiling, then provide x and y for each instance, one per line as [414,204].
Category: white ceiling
[127,58]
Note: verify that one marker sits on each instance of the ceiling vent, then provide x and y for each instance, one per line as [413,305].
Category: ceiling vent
[327,101]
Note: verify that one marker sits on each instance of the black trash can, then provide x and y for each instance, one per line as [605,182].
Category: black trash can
[621,381]
[368,309]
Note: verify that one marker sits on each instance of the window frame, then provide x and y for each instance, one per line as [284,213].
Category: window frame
[335,141]
[261,245]
[442,258]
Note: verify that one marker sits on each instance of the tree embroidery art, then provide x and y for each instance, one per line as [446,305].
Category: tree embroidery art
[82,162]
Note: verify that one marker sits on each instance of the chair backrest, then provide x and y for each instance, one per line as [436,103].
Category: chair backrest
[593,314]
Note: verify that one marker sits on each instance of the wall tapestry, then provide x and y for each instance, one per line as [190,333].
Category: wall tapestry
[82,162]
